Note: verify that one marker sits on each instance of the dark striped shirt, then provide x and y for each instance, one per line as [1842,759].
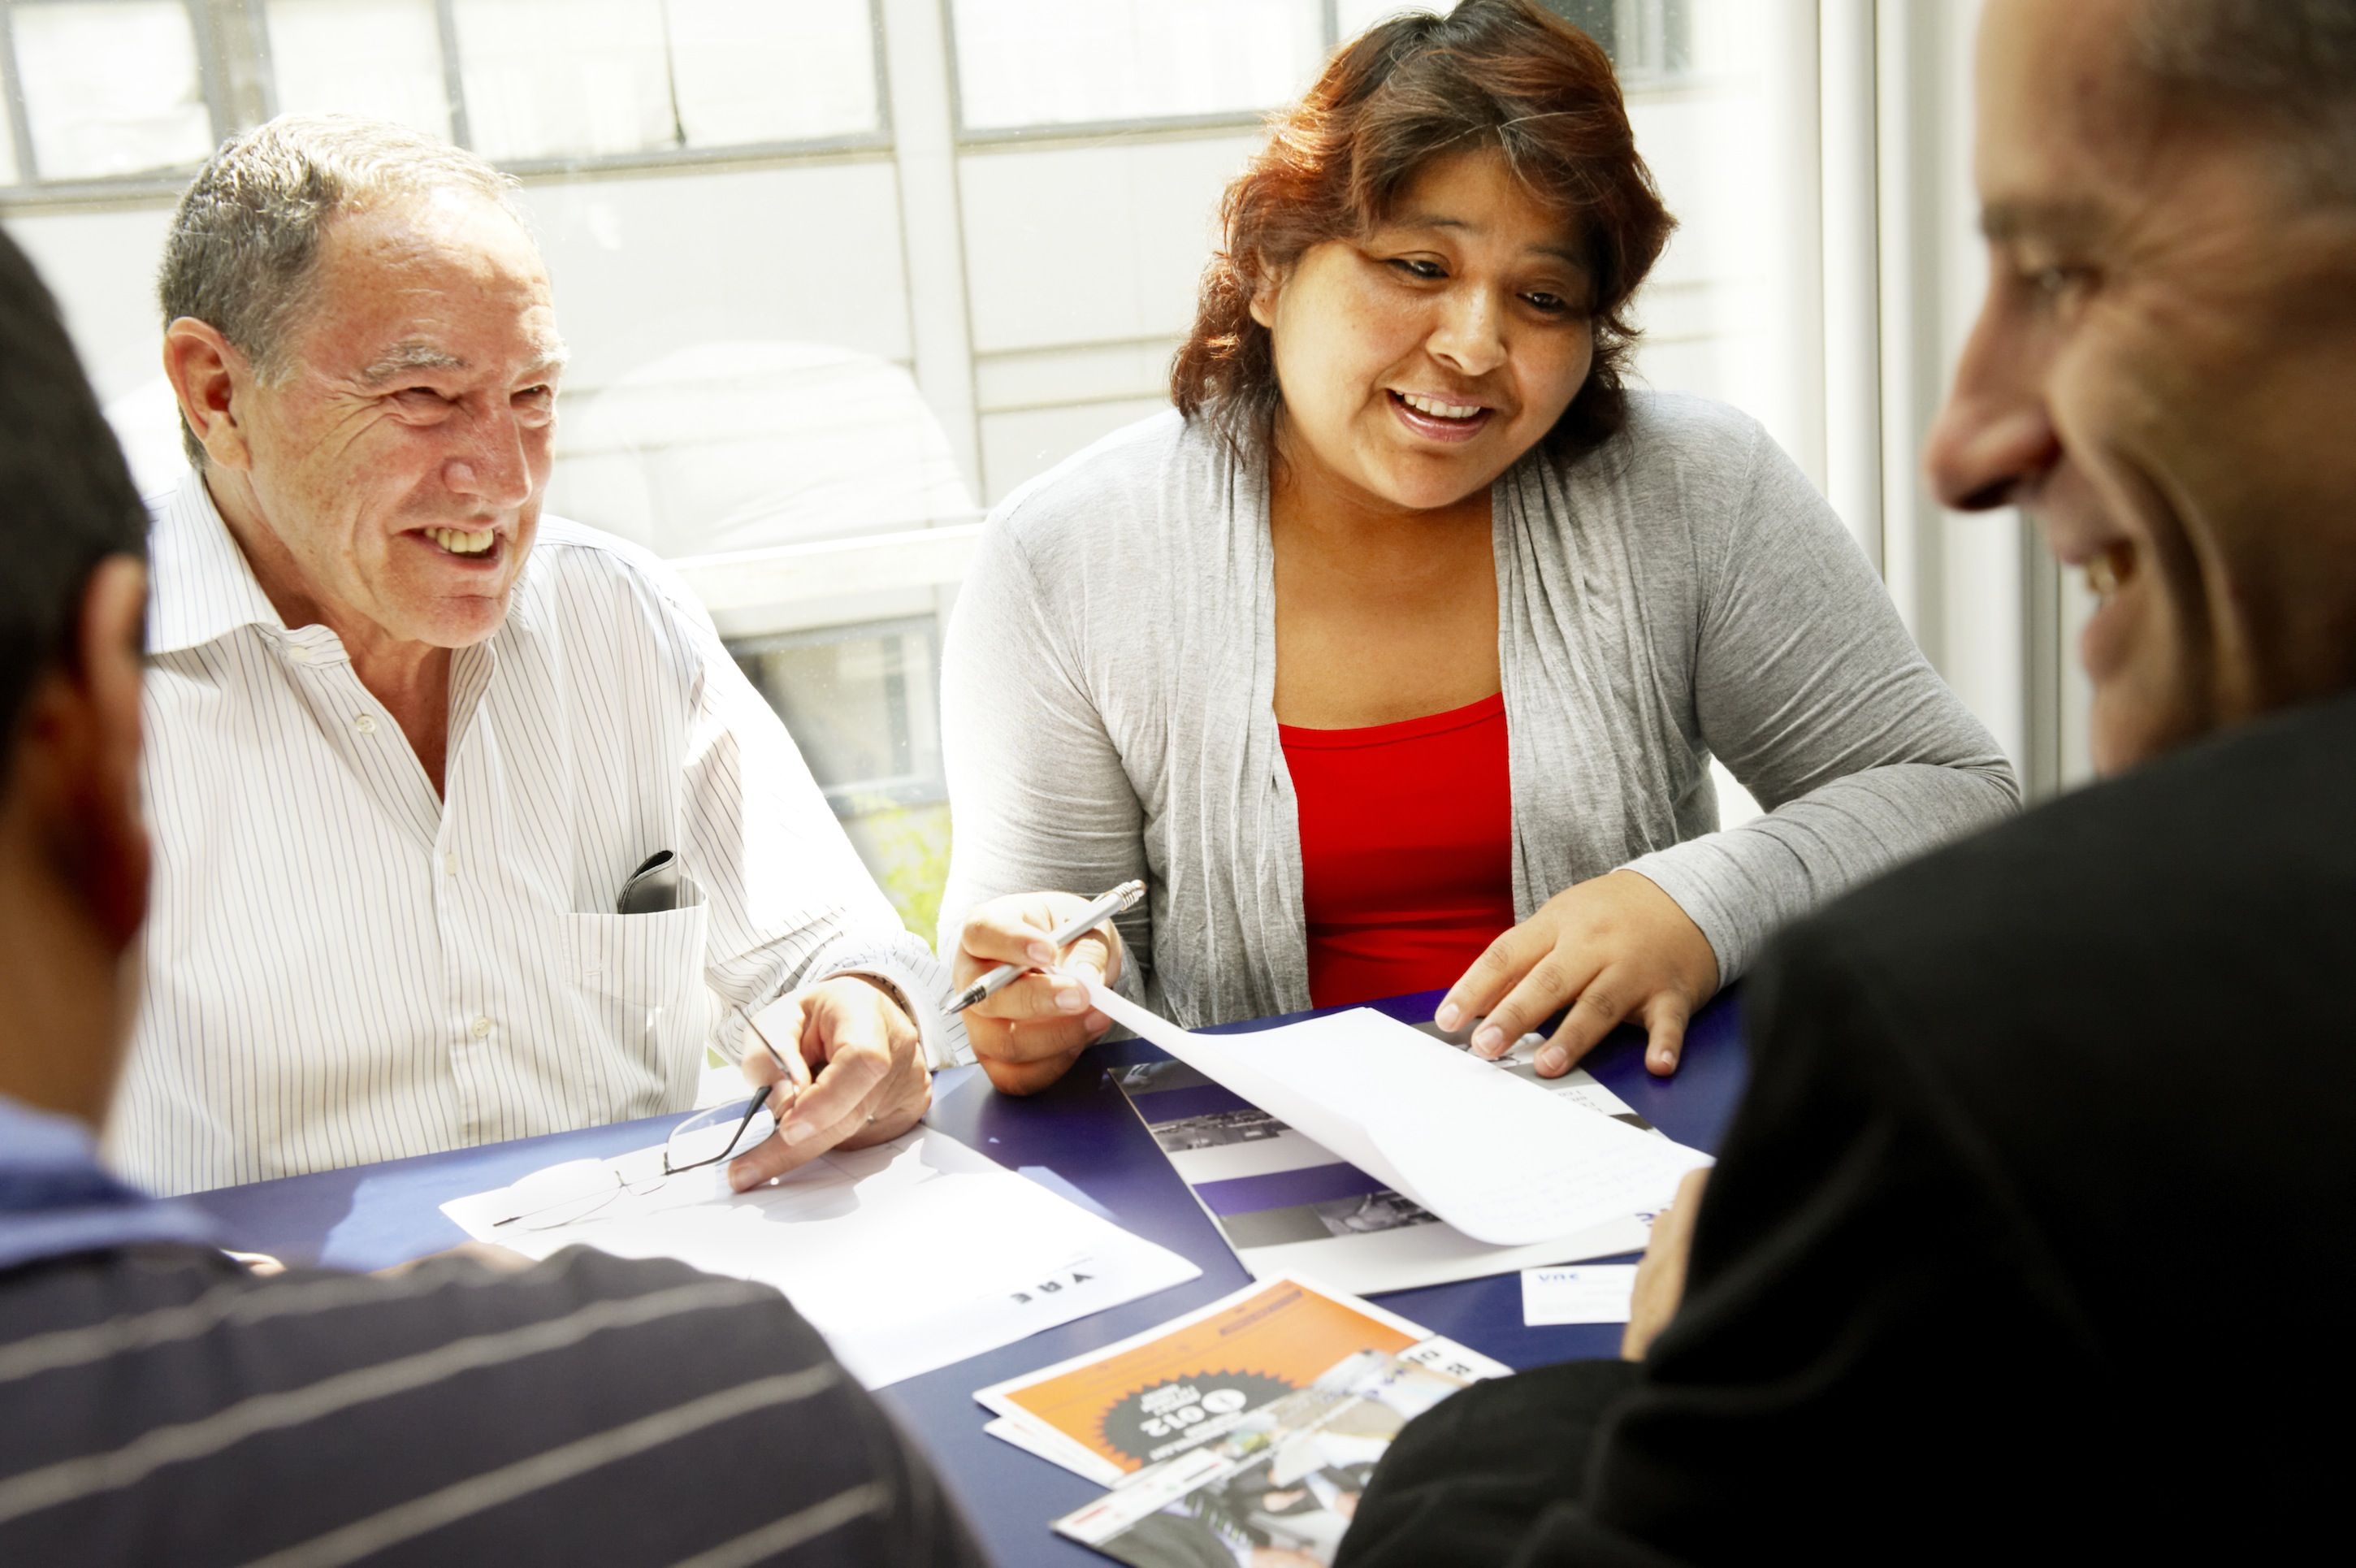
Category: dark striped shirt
[158,1405]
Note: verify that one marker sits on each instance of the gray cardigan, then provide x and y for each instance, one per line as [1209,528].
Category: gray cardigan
[1107,698]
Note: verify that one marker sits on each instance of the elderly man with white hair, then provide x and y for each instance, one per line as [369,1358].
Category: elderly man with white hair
[411,743]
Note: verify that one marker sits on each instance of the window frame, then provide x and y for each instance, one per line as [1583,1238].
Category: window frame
[213,78]
[1645,20]
[239,84]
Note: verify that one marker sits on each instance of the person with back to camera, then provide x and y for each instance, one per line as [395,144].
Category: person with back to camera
[1412,623]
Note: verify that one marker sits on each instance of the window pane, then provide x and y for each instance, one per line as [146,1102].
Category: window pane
[1039,62]
[547,78]
[1717,308]
[111,89]
[8,175]
[763,71]
[735,383]
[380,58]
[860,704]
[745,445]
[1128,225]
[859,701]
[863,709]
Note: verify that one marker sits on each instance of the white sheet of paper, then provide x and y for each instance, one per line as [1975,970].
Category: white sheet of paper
[906,1256]
[1418,1255]
[1501,1160]
[1589,1292]
[1054,1448]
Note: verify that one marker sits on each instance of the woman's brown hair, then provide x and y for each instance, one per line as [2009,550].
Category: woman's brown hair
[1495,73]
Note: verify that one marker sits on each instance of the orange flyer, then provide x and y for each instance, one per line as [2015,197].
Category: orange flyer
[1140,1400]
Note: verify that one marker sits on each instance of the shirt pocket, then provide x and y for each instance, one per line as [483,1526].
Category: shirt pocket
[639,960]
[639,980]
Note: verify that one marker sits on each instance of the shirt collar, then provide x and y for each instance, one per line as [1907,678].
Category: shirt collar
[54,1198]
[201,588]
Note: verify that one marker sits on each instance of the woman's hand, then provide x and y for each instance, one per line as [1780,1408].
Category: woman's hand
[1028,1035]
[1615,947]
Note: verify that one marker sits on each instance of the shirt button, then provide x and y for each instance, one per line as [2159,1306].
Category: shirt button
[450,863]
[365,723]
[480,1027]
[300,654]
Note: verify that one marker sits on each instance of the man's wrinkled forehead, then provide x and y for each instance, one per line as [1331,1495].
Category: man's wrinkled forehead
[2069,129]
[433,286]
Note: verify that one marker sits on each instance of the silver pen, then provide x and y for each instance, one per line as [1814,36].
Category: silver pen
[1117,901]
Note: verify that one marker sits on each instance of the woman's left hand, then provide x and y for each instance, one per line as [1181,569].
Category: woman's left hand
[1615,947]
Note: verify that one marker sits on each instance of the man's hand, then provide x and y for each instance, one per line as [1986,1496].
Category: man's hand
[852,1073]
[1614,947]
[1028,1035]
[1661,1277]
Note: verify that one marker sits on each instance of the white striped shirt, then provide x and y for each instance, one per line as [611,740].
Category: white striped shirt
[342,967]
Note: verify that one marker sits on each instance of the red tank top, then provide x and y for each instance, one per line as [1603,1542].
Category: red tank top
[1406,855]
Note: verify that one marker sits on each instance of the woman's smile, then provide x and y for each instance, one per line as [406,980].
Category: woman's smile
[1422,360]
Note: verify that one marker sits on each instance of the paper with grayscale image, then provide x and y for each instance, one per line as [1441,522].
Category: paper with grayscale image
[1281,1484]
[1286,1202]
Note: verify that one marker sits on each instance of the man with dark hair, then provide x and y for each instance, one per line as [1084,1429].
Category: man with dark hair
[159,1405]
[2027,1236]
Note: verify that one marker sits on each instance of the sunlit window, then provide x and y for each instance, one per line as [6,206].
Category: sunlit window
[110,89]
[1026,63]
[379,59]
[751,72]
[839,275]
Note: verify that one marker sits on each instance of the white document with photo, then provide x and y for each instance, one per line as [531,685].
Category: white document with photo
[907,1256]
[1285,1204]
[1499,1160]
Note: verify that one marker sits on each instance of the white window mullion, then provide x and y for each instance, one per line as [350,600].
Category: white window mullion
[1852,293]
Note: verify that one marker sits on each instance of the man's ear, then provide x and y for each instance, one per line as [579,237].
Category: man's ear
[78,753]
[210,377]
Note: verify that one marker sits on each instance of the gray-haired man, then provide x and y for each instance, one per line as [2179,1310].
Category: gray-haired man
[409,738]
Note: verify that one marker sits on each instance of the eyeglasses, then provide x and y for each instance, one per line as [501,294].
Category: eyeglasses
[563,1195]
[708,1137]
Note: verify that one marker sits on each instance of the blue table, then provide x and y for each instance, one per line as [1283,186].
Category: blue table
[1080,1138]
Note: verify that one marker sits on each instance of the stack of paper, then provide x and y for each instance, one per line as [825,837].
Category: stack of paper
[906,1256]
[1381,1158]
[1250,1425]
[1112,1413]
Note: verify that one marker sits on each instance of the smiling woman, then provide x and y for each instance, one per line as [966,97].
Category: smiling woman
[1357,157]
[1410,623]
